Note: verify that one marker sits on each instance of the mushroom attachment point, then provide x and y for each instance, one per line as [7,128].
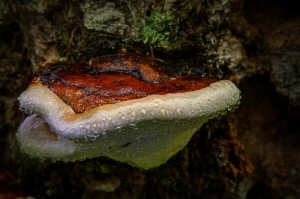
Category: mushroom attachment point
[124,107]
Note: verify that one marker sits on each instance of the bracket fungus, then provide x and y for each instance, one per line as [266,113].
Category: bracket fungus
[125,107]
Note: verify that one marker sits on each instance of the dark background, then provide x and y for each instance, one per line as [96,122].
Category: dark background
[253,152]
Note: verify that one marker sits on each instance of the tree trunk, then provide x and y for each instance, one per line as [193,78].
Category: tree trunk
[251,153]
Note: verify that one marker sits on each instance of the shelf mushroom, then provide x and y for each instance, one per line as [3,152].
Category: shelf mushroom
[123,106]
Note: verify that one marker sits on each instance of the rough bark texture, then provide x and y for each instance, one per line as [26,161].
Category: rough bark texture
[251,153]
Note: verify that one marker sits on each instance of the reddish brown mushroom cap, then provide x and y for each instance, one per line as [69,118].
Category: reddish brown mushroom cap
[84,88]
[128,119]
[148,68]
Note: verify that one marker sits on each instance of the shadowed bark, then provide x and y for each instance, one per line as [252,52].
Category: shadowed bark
[250,153]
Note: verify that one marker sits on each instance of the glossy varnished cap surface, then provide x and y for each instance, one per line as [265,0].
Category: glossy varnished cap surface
[112,79]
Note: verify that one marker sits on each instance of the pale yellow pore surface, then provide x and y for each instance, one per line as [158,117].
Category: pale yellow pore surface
[143,132]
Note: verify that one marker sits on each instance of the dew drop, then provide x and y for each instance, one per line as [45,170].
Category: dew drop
[208,101]
[93,137]
[118,127]
[68,93]
[132,124]
[143,111]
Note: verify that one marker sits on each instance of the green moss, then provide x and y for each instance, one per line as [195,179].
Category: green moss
[161,30]
[67,44]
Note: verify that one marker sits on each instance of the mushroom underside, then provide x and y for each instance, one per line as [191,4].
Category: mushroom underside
[146,144]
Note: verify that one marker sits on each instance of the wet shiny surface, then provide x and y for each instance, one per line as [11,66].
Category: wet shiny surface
[84,88]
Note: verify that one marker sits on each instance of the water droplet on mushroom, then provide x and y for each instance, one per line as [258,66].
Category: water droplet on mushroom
[68,93]
[118,127]
[93,137]
[132,124]
[208,102]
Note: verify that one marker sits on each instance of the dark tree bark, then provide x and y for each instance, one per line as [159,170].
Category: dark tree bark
[251,153]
